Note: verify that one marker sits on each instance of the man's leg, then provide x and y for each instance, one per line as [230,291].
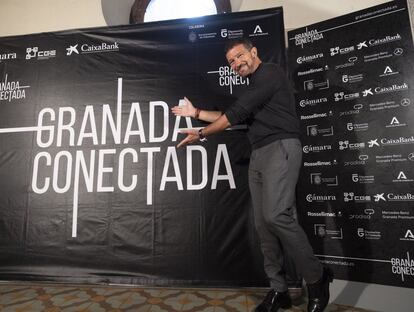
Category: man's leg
[269,243]
[279,181]
[270,247]
[281,164]
[294,279]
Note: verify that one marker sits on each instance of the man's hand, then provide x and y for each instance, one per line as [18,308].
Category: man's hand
[192,136]
[187,110]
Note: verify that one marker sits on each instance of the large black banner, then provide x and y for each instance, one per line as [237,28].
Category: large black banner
[354,80]
[92,186]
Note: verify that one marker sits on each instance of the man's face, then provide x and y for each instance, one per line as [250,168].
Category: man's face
[242,60]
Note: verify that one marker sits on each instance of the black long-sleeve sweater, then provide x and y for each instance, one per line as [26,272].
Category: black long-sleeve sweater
[268,107]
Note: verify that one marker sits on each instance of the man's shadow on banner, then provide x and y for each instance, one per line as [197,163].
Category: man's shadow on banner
[336,227]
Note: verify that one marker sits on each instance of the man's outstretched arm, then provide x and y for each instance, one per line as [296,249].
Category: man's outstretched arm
[194,135]
[188,110]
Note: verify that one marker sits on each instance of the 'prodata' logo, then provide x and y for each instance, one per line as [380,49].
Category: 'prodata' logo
[368,212]
[350,62]
[355,111]
[361,160]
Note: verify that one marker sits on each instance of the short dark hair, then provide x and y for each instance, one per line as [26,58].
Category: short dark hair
[232,43]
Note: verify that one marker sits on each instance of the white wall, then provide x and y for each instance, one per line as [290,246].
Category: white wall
[32,16]
[19,17]
[298,13]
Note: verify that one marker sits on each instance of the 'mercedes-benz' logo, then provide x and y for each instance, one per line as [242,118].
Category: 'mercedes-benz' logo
[405,102]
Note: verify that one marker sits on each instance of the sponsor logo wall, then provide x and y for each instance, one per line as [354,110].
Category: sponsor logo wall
[354,82]
[92,186]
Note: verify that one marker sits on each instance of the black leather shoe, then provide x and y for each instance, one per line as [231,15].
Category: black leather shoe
[273,301]
[319,292]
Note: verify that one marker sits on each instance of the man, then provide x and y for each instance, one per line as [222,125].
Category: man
[268,106]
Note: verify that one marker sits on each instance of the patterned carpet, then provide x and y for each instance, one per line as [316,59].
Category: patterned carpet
[37,297]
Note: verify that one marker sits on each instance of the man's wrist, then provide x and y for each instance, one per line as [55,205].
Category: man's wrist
[197,113]
[201,135]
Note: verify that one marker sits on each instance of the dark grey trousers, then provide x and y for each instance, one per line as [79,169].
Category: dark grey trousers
[273,174]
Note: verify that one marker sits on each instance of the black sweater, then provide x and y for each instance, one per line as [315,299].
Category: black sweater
[267,106]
